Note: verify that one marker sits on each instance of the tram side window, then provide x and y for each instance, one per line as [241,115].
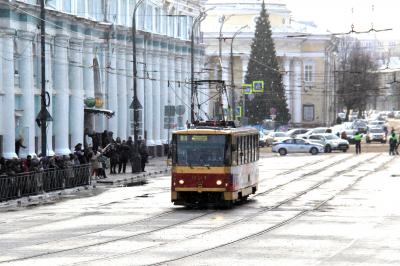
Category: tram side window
[248,149]
[251,149]
[257,151]
[241,150]
[234,150]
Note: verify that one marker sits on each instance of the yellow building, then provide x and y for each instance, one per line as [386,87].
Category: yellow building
[306,56]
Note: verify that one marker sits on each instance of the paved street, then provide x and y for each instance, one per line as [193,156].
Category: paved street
[331,209]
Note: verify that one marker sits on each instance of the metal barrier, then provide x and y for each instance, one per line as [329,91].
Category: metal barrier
[34,183]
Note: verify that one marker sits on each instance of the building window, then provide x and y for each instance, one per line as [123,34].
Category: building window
[308,69]
[122,15]
[157,20]
[149,18]
[308,112]
[67,6]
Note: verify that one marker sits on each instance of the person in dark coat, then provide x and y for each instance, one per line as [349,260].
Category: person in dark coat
[80,154]
[124,157]
[392,144]
[19,143]
[144,154]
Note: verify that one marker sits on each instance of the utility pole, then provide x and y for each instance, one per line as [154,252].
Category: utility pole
[135,101]
[232,73]
[196,22]
[43,111]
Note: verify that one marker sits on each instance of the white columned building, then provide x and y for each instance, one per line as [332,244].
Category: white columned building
[148,90]
[122,94]
[129,88]
[50,91]
[140,80]
[164,88]
[155,76]
[28,95]
[76,118]
[297,93]
[171,84]
[177,83]
[61,115]
[8,112]
[86,58]
[286,84]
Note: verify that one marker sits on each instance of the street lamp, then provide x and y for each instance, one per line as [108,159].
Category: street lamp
[232,77]
[196,21]
[135,105]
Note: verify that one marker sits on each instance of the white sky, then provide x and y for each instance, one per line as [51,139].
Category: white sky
[339,15]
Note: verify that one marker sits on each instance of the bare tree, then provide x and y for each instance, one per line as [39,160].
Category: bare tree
[357,81]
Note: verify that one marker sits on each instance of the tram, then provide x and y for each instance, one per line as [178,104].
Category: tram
[214,164]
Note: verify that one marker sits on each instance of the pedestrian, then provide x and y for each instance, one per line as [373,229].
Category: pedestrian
[124,157]
[385,129]
[19,143]
[343,135]
[392,144]
[144,154]
[357,139]
[113,154]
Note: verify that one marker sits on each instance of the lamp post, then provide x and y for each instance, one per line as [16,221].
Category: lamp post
[232,72]
[196,21]
[135,102]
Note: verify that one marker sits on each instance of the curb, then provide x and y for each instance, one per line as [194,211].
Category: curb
[43,198]
[138,179]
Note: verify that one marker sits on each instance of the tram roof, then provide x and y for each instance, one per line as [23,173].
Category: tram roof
[217,131]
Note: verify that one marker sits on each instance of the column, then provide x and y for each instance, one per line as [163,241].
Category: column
[88,80]
[28,95]
[129,90]
[286,83]
[76,118]
[155,75]
[49,90]
[164,89]
[148,90]
[8,112]
[61,116]
[122,94]
[177,84]
[297,110]
[185,85]
[112,89]
[140,81]
[100,120]
[171,78]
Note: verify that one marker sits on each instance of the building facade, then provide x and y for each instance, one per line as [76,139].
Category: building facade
[89,67]
[306,55]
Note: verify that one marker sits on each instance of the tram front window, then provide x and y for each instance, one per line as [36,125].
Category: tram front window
[201,150]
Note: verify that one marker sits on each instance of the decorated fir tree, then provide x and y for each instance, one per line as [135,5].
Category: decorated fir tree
[263,69]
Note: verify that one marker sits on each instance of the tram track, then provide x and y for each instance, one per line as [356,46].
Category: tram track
[280,224]
[264,210]
[313,172]
[299,168]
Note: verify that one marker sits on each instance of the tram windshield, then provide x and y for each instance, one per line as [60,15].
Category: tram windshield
[200,150]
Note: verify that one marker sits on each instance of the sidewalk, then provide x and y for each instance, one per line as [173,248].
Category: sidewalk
[155,166]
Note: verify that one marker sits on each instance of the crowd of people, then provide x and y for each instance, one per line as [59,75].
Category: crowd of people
[101,152]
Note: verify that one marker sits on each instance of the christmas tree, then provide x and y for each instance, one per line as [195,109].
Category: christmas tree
[263,68]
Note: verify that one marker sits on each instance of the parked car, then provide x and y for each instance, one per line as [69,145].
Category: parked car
[296,131]
[375,134]
[376,123]
[360,126]
[330,142]
[296,145]
[317,130]
[275,137]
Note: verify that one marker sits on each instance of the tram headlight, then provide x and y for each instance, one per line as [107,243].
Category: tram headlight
[219,182]
[181,182]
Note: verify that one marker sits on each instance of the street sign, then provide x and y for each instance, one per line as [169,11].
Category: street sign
[247,88]
[258,86]
[180,109]
[169,110]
